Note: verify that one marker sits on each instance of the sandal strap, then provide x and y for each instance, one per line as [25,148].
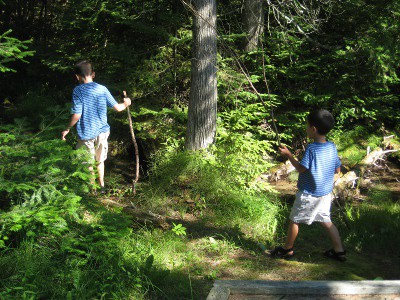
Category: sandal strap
[280,251]
[340,256]
[283,250]
[333,252]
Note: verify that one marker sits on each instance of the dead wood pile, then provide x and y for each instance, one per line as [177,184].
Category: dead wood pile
[348,182]
[279,172]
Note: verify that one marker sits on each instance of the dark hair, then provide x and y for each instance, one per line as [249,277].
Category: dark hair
[322,120]
[84,68]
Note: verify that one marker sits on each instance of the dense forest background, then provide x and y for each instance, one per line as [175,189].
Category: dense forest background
[340,55]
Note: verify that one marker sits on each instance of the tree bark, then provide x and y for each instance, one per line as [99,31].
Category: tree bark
[253,19]
[202,111]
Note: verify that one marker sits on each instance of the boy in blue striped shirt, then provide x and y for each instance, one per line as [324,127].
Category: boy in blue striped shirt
[89,112]
[316,176]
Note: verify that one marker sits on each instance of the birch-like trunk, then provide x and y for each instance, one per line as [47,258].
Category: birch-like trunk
[253,19]
[202,111]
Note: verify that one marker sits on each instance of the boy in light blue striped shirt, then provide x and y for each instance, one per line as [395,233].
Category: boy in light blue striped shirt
[89,112]
[316,177]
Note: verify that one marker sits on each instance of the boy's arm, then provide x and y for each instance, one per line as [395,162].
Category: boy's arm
[74,118]
[121,106]
[285,152]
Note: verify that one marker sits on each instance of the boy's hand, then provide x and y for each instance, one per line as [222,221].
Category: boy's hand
[64,134]
[285,151]
[127,101]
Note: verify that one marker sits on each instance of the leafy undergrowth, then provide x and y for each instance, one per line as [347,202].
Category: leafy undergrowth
[60,242]
[352,145]
[218,240]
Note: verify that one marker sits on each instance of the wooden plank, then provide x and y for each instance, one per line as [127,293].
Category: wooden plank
[257,287]
[313,297]
[219,293]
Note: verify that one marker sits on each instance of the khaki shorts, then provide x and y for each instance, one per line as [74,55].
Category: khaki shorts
[308,209]
[98,146]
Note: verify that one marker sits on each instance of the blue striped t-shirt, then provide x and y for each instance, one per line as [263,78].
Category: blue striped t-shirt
[91,101]
[321,160]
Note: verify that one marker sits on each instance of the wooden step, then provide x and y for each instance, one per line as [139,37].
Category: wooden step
[322,290]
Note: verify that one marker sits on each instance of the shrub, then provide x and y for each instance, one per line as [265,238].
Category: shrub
[40,183]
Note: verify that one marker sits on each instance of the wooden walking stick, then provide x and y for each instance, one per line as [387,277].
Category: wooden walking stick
[136,148]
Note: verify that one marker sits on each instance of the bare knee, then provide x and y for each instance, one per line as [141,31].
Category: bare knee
[326,225]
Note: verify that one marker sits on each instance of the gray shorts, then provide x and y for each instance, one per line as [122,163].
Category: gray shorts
[308,209]
[98,147]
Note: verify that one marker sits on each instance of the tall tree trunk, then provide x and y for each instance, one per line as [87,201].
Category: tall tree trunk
[253,19]
[202,112]
[174,49]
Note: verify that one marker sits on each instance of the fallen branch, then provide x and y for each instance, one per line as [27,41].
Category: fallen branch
[371,159]
[281,171]
[140,216]
[343,183]
[353,179]
[345,186]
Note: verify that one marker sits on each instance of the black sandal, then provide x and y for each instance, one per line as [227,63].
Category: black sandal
[280,252]
[339,256]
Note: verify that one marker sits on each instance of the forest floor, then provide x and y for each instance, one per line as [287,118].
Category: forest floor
[230,255]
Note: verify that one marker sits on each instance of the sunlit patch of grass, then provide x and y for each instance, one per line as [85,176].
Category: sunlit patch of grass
[352,145]
[331,271]
[195,176]
[209,257]
[217,246]
[181,267]
[352,154]
[168,248]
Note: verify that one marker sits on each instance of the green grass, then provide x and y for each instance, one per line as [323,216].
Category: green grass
[352,145]
[91,261]
[218,199]
[103,254]
[373,225]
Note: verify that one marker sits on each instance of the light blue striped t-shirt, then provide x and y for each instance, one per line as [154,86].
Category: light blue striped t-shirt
[91,101]
[321,160]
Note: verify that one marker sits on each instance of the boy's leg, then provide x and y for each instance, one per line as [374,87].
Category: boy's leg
[334,236]
[287,250]
[100,171]
[293,231]
[89,145]
[101,148]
